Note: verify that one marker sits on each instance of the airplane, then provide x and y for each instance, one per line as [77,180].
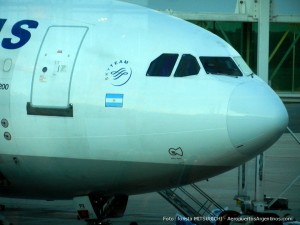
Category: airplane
[100,100]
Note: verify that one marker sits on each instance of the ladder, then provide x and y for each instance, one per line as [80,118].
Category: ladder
[192,202]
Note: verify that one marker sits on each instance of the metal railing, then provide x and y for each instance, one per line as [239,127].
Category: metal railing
[191,203]
[284,191]
[294,136]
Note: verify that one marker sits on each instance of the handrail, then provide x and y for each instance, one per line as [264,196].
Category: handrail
[207,197]
[180,204]
[284,191]
[201,205]
[197,208]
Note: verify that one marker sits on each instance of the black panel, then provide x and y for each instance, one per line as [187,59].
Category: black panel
[44,111]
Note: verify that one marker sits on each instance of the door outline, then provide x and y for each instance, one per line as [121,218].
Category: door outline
[53,110]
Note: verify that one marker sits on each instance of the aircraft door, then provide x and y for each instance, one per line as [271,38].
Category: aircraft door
[51,83]
[6,73]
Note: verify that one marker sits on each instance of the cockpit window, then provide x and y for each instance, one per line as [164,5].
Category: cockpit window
[220,66]
[187,66]
[243,65]
[163,65]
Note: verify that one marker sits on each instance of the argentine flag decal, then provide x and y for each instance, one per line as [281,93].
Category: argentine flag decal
[114,100]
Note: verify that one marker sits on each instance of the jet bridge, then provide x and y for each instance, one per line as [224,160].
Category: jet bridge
[254,29]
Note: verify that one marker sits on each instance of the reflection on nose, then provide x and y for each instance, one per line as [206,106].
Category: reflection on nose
[256,117]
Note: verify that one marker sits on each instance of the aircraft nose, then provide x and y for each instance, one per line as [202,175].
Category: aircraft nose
[256,117]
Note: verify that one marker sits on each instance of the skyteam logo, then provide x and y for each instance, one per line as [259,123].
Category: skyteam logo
[118,73]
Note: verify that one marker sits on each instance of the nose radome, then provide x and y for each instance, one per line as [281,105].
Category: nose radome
[256,117]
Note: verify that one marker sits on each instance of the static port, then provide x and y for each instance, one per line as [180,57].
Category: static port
[4,123]
[7,136]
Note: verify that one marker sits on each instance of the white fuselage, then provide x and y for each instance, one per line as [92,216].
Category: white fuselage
[83,116]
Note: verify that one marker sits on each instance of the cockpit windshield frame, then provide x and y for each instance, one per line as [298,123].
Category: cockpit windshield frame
[163,65]
[246,70]
[220,65]
[187,66]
